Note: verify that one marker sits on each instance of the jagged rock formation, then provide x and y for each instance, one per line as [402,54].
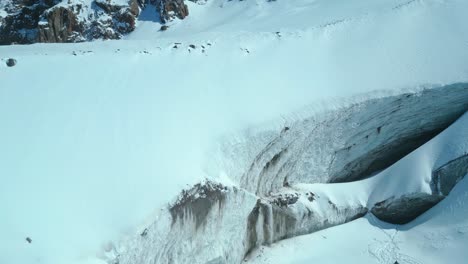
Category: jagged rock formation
[67,21]
[170,9]
[74,21]
[404,209]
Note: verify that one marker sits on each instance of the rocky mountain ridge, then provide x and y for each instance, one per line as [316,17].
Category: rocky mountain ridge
[59,21]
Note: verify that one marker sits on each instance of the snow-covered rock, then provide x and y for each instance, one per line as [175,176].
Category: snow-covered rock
[26,22]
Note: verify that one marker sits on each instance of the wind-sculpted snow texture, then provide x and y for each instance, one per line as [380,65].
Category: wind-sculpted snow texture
[216,223]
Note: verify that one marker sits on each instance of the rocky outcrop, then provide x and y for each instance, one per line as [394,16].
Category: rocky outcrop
[21,25]
[67,21]
[60,25]
[170,9]
[73,21]
[406,208]
[11,62]
[102,19]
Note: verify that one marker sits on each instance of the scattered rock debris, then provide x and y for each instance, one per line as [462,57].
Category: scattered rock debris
[144,233]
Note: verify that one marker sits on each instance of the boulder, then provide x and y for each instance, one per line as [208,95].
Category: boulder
[11,62]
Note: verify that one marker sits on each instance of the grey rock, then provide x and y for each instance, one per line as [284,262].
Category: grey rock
[46,21]
[171,9]
[11,62]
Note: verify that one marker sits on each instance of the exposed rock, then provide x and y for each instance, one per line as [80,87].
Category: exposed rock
[20,26]
[71,21]
[61,25]
[171,9]
[11,62]
[144,233]
[164,28]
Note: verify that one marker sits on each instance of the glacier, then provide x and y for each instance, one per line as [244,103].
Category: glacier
[258,131]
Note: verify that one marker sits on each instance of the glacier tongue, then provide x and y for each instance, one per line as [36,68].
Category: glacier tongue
[277,197]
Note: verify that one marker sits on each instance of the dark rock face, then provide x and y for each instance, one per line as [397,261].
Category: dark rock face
[197,202]
[11,62]
[59,21]
[61,26]
[53,21]
[170,9]
[21,25]
[104,20]
[406,208]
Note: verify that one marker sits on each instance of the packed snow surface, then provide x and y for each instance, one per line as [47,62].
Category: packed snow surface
[96,136]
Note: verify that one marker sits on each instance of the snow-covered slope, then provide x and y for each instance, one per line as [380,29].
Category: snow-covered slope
[96,136]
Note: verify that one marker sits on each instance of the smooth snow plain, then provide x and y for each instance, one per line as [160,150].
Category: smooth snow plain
[96,137]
